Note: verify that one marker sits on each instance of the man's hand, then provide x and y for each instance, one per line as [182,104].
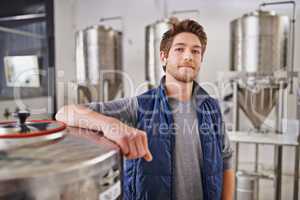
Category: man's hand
[133,142]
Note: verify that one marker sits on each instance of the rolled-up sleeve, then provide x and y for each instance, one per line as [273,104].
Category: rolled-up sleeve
[124,109]
[227,151]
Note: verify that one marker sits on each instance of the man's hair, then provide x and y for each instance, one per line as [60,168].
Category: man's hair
[189,26]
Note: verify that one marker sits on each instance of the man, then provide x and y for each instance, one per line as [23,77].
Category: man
[175,145]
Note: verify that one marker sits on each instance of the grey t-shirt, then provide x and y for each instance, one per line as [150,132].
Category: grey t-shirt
[188,153]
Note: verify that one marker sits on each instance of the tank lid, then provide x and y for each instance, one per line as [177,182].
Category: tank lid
[15,134]
[101,27]
[29,129]
[260,13]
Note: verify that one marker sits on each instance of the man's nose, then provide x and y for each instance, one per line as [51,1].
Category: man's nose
[187,55]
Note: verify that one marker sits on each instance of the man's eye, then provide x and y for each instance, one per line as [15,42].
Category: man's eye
[179,49]
[195,51]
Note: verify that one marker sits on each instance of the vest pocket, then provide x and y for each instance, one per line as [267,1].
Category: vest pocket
[160,148]
[153,179]
[151,187]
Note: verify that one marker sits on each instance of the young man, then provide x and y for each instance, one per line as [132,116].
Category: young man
[175,146]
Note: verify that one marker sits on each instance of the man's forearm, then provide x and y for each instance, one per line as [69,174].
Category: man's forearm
[228,184]
[133,142]
[80,116]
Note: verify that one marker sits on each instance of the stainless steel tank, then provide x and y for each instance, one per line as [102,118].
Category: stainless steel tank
[81,165]
[259,42]
[246,187]
[154,33]
[81,70]
[259,48]
[98,63]
[257,101]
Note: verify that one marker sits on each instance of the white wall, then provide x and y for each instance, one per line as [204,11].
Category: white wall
[64,22]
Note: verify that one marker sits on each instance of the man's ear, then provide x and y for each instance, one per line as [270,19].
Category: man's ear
[163,58]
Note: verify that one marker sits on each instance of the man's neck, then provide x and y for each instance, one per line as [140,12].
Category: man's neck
[180,90]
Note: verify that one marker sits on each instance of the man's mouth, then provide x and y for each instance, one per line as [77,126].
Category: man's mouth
[187,66]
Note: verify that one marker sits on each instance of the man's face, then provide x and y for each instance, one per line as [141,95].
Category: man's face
[185,56]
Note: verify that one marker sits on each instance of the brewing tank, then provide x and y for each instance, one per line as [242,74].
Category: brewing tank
[98,63]
[259,42]
[81,70]
[154,33]
[77,164]
[259,48]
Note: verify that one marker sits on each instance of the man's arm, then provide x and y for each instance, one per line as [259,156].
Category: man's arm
[228,171]
[133,142]
[228,184]
[82,117]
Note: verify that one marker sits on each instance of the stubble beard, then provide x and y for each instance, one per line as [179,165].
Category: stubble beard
[185,78]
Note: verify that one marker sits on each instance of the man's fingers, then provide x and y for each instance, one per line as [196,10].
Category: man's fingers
[133,153]
[124,146]
[148,157]
[135,146]
[140,147]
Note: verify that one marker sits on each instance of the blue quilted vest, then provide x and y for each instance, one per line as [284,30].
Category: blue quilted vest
[154,180]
